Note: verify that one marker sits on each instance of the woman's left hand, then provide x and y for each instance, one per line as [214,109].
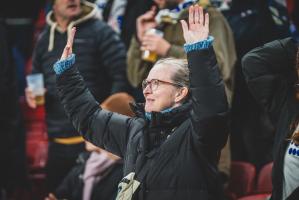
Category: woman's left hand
[198,29]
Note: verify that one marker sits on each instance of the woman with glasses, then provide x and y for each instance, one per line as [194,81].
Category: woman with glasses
[272,73]
[172,146]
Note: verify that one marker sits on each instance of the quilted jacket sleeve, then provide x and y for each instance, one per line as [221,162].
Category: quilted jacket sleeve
[105,129]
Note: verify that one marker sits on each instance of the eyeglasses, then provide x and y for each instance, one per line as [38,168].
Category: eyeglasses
[154,84]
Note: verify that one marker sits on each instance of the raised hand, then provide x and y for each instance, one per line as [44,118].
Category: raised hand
[68,49]
[198,29]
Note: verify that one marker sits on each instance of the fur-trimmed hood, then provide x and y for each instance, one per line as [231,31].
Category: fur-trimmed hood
[89,10]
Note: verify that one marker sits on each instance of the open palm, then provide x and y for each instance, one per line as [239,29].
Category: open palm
[198,28]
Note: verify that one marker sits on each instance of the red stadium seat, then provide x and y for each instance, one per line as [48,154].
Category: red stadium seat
[36,136]
[242,178]
[264,181]
[256,197]
[36,152]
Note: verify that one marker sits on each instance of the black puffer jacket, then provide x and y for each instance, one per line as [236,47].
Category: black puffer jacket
[101,61]
[270,74]
[182,165]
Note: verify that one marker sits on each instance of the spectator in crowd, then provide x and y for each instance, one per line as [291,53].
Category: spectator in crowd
[102,168]
[170,45]
[20,18]
[251,130]
[271,72]
[12,143]
[122,15]
[166,20]
[171,149]
[134,9]
[97,165]
[112,12]
[102,63]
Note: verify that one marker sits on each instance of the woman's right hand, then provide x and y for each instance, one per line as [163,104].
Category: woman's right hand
[198,29]
[68,49]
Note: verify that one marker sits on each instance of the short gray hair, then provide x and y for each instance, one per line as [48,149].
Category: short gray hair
[181,74]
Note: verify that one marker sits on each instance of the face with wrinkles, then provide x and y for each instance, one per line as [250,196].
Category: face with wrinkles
[160,91]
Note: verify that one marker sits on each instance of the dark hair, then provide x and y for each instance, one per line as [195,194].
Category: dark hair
[295,133]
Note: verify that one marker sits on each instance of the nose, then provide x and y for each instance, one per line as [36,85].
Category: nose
[147,90]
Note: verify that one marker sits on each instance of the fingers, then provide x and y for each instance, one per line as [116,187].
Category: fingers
[70,39]
[207,20]
[150,38]
[184,27]
[154,8]
[148,41]
[30,98]
[68,49]
[66,53]
[145,21]
[149,15]
[191,15]
[197,16]
[201,15]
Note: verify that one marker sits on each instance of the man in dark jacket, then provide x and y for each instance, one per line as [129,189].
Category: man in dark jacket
[102,63]
[171,149]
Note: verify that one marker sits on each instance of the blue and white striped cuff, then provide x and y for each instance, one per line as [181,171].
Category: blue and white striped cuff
[204,44]
[61,65]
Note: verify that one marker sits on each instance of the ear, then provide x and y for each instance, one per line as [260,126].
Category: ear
[181,94]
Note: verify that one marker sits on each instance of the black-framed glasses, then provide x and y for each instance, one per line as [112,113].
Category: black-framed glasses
[154,84]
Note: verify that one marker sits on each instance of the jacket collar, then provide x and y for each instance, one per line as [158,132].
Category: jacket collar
[167,119]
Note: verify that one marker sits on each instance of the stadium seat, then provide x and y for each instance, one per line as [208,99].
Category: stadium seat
[242,178]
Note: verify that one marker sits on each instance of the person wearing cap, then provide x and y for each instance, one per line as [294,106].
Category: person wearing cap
[102,63]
